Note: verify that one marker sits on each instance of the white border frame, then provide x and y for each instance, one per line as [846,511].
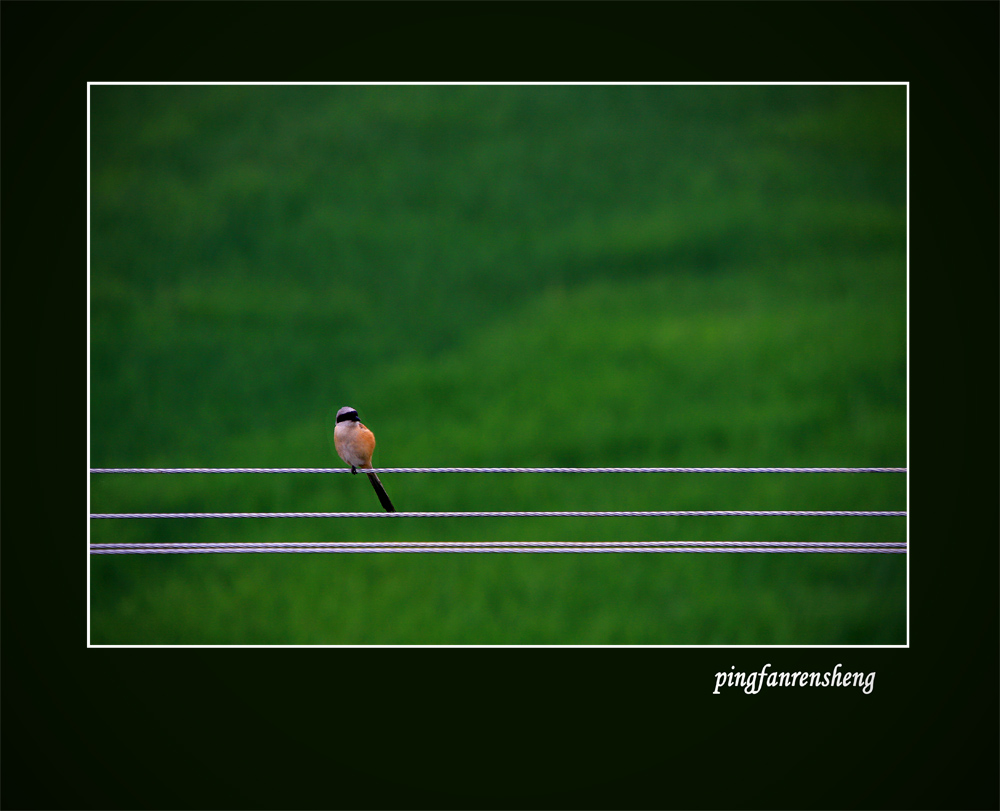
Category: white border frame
[906,84]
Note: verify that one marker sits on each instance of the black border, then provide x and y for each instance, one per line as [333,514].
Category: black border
[640,728]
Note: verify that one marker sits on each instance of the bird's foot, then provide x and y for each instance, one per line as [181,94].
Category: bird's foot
[354,470]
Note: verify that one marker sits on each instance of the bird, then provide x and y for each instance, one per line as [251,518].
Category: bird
[355,444]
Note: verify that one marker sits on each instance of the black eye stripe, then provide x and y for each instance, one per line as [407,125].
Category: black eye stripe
[350,415]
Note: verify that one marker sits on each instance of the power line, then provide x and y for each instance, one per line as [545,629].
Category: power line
[896,544]
[503,547]
[573,514]
[503,470]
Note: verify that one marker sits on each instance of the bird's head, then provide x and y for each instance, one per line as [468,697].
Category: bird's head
[347,414]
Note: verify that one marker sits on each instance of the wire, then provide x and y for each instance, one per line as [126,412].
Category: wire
[618,514]
[503,470]
[498,547]
[516,543]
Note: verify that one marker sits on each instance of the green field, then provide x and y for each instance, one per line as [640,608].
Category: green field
[499,276]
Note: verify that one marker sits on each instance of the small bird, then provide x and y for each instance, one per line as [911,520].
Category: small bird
[355,444]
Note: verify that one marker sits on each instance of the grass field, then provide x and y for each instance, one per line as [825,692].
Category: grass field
[499,276]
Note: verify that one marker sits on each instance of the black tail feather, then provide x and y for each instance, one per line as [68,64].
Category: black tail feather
[383,497]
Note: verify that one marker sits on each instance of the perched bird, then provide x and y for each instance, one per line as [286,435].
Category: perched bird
[355,444]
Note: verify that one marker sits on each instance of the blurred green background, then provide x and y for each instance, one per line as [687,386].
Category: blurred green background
[499,276]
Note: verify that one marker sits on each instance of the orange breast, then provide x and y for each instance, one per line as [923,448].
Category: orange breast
[366,443]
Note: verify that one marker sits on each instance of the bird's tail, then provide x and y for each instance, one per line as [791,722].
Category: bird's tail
[380,492]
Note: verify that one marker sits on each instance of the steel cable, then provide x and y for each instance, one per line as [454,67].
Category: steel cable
[536,514]
[498,547]
[503,470]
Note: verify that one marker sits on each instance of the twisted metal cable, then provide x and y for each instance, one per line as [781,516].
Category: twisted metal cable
[571,514]
[503,470]
[502,547]
[130,545]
